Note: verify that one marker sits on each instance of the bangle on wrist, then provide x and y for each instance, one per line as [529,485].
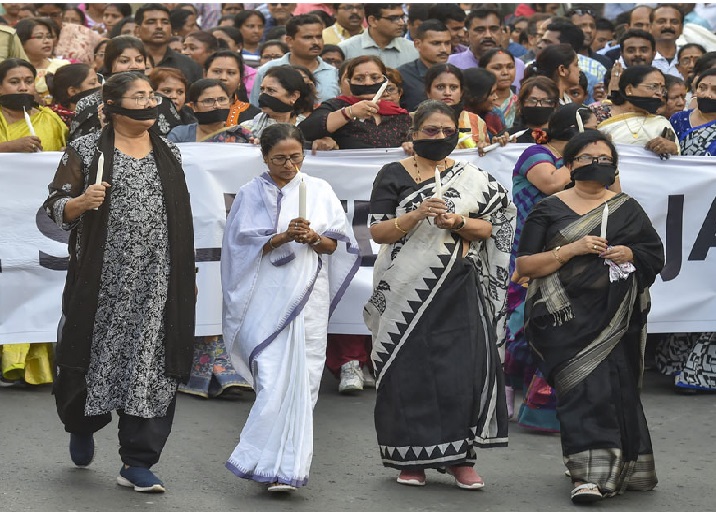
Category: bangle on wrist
[316,242]
[345,116]
[271,245]
[555,253]
[397,226]
[461,225]
[350,113]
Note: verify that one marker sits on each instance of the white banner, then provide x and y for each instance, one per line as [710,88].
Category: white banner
[679,192]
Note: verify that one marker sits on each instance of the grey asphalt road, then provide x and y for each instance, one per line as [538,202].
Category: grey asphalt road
[36,474]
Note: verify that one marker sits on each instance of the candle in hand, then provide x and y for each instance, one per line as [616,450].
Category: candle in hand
[100,169]
[605,216]
[438,185]
[302,199]
[28,121]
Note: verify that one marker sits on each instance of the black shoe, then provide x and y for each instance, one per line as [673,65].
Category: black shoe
[82,449]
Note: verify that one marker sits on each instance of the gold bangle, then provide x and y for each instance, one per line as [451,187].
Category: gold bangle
[555,253]
[462,224]
[397,226]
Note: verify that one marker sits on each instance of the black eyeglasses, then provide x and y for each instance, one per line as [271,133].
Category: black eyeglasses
[589,159]
[281,159]
[395,19]
[540,102]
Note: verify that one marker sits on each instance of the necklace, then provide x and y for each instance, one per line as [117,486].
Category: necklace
[418,179]
[635,134]
[554,150]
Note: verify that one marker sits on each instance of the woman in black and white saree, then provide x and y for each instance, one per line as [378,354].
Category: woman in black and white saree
[438,306]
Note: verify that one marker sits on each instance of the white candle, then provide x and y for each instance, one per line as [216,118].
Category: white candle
[100,169]
[438,185]
[28,121]
[380,92]
[605,216]
[496,145]
[302,199]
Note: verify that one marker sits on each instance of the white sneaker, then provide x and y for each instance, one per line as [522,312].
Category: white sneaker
[368,379]
[351,377]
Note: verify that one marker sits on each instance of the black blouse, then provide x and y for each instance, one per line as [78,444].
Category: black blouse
[390,133]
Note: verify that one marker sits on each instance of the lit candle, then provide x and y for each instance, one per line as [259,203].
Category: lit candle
[438,185]
[28,121]
[605,216]
[100,169]
[302,199]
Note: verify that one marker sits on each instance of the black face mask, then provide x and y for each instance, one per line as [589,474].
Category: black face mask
[601,173]
[17,101]
[651,105]
[213,116]
[275,104]
[77,97]
[435,149]
[143,114]
[536,116]
[706,105]
[360,90]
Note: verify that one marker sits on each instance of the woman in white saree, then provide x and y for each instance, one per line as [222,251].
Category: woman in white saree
[282,276]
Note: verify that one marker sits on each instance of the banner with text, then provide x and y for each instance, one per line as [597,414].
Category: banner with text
[677,194]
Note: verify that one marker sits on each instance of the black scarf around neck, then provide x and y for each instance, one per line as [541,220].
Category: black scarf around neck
[83,277]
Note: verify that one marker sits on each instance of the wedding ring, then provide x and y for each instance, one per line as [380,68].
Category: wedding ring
[594,247]
[430,209]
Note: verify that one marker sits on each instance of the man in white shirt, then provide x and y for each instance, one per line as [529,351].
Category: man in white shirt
[667,23]
[384,37]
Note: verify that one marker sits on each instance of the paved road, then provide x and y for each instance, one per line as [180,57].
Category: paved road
[36,474]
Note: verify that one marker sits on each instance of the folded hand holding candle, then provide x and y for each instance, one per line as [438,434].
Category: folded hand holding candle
[302,199]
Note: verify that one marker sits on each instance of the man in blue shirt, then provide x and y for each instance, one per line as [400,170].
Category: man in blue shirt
[432,40]
[484,31]
[304,37]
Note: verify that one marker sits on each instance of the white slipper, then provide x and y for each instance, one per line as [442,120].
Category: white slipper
[585,493]
[279,487]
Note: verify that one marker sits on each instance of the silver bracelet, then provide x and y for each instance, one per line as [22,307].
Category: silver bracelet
[317,242]
[271,243]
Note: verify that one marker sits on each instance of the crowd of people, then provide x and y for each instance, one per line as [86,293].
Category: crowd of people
[465,267]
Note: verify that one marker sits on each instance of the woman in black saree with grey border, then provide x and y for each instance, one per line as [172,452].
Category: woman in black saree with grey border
[585,316]
[437,308]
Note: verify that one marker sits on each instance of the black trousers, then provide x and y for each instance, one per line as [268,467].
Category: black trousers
[141,440]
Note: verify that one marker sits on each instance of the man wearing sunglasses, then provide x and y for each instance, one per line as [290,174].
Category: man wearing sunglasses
[278,15]
[384,37]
